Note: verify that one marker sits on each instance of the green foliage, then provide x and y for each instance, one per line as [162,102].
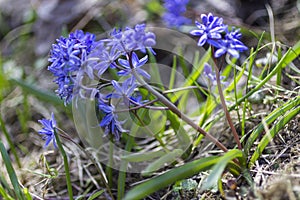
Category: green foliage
[159,182]
[11,172]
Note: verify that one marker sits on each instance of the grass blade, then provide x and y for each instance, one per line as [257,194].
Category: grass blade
[95,195]
[268,120]
[11,145]
[176,174]
[273,131]
[11,172]
[159,163]
[218,169]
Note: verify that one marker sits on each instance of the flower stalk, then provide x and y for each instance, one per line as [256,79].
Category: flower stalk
[176,111]
[66,164]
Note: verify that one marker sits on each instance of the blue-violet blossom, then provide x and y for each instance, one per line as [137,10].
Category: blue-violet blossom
[132,39]
[137,64]
[110,121]
[214,32]
[173,17]
[66,57]
[48,130]
[207,71]
[123,91]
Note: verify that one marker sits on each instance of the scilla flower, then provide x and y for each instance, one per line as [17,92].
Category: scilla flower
[173,17]
[110,122]
[66,58]
[48,130]
[214,32]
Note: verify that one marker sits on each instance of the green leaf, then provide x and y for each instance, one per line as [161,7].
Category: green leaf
[268,120]
[162,161]
[95,195]
[143,156]
[273,131]
[159,182]
[292,55]
[11,172]
[4,194]
[218,169]
[267,78]
[45,96]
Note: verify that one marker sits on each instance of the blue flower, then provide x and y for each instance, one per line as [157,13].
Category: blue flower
[110,121]
[207,71]
[230,47]
[104,59]
[66,58]
[132,39]
[211,29]
[174,11]
[125,91]
[48,130]
[214,32]
[137,64]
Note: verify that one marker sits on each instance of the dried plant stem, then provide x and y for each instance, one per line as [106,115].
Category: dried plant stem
[229,120]
[176,111]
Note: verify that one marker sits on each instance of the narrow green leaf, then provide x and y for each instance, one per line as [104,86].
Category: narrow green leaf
[270,119]
[45,96]
[9,140]
[266,79]
[143,156]
[4,194]
[273,131]
[123,167]
[162,161]
[292,55]
[218,169]
[159,182]
[194,75]
[11,172]
[95,195]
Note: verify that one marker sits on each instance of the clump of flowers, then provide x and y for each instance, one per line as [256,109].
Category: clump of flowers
[213,31]
[80,55]
[66,58]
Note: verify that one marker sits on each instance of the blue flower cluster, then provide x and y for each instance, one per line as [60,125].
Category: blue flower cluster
[78,58]
[67,56]
[80,55]
[173,17]
[214,32]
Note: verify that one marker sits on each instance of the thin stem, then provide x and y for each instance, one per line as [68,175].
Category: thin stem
[175,110]
[151,133]
[67,137]
[66,165]
[110,163]
[141,106]
[229,120]
[10,142]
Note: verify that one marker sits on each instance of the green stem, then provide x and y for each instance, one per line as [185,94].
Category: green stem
[123,168]
[110,162]
[66,136]
[66,165]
